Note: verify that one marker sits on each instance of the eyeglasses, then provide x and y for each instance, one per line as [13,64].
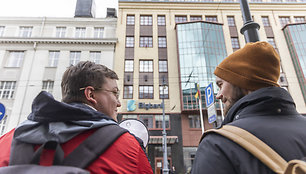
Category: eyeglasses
[116,93]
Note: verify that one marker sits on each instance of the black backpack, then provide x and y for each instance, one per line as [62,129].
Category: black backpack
[23,159]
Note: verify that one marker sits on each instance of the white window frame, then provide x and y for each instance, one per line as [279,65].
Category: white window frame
[15,59]
[25,31]
[162,42]
[53,58]
[211,18]
[7,88]
[235,42]
[98,32]
[80,32]
[146,66]
[163,66]
[161,20]
[128,65]
[47,86]
[130,20]
[3,125]
[129,42]
[2,28]
[128,92]
[146,41]
[231,21]
[95,56]
[148,90]
[75,57]
[146,20]
[60,32]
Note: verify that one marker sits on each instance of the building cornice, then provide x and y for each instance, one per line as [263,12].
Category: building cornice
[87,41]
[259,6]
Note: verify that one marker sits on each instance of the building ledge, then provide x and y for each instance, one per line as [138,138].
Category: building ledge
[104,41]
[159,139]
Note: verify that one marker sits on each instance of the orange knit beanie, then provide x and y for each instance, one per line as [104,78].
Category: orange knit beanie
[255,66]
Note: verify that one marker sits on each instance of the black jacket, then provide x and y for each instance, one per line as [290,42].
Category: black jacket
[269,114]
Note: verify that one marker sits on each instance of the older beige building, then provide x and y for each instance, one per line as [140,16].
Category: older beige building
[166,46]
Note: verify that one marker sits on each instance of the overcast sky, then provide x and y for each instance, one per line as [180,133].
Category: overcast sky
[49,8]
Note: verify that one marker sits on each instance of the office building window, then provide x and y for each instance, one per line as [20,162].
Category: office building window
[151,121]
[7,89]
[162,66]
[194,121]
[195,18]
[129,66]
[161,20]
[129,42]
[179,19]
[163,91]
[2,30]
[211,18]
[130,20]
[299,19]
[75,57]
[162,42]
[291,0]
[95,56]
[128,92]
[231,21]
[235,42]
[284,20]
[265,21]
[145,20]
[25,31]
[53,58]
[147,120]
[146,41]
[146,92]
[15,59]
[146,66]
[80,32]
[60,32]
[3,125]
[272,42]
[159,121]
[98,32]
[48,86]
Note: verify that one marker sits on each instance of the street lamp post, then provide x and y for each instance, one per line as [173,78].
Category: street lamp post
[165,159]
[250,28]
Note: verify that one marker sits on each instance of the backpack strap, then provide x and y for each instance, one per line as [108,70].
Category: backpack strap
[254,145]
[91,148]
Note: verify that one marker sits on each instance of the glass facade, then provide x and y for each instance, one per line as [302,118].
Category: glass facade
[295,35]
[201,48]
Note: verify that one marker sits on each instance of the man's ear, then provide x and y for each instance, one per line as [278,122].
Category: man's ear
[89,94]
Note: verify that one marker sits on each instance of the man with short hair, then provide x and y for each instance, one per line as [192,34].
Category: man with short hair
[252,100]
[90,100]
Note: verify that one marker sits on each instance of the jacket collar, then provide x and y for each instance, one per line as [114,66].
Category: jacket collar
[262,102]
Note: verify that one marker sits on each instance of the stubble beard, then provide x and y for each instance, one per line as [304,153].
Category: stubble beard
[236,95]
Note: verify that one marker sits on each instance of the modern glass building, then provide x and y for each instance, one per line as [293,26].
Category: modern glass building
[295,36]
[201,47]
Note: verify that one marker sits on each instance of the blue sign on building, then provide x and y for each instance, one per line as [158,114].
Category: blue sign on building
[2,111]
[131,105]
[209,95]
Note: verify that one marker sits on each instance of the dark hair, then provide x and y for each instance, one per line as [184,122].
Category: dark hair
[82,75]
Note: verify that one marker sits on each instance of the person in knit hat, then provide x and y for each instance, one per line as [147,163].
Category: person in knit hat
[252,100]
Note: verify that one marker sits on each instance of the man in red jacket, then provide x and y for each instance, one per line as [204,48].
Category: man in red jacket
[90,100]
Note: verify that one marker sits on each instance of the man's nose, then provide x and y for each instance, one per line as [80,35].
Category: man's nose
[219,95]
[118,103]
